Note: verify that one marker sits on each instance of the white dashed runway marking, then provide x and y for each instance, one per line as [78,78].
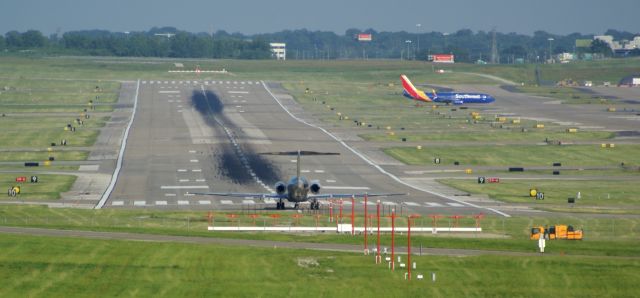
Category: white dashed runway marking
[117,203]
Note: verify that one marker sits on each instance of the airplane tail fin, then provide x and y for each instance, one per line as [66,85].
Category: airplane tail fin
[411,91]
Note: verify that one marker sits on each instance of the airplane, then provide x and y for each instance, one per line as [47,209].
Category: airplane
[298,189]
[456,98]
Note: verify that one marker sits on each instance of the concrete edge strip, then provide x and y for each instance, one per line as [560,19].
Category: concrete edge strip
[371,163]
[123,145]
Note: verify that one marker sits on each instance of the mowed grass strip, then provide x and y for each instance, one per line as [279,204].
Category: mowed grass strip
[520,155]
[40,132]
[48,187]
[604,236]
[621,194]
[43,156]
[33,266]
[490,135]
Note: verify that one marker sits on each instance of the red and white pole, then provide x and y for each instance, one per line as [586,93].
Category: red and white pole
[409,247]
[365,222]
[393,232]
[378,250]
[353,215]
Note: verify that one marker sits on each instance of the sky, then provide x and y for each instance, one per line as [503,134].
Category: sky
[250,17]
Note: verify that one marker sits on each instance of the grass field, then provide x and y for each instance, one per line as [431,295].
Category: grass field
[34,266]
[520,155]
[489,135]
[27,131]
[513,233]
[620,194]
[48,187]
[44,155]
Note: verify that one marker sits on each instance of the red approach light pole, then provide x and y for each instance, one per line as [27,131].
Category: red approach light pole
[330,211]
[353,215]
[393,234]
[378,258]
[409,243]
[365,222]
[340,211]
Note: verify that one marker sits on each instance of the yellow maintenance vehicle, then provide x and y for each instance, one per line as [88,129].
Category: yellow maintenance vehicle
[556,232]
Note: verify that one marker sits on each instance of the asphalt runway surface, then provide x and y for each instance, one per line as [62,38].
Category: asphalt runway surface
[203,136]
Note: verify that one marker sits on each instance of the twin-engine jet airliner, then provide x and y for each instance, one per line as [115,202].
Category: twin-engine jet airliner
[456,98]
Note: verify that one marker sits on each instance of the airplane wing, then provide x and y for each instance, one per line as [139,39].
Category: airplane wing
[241,195]
[349,195]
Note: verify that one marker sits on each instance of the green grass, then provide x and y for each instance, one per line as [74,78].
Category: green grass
[513,233]
[48,187]
[44,155]
[33,266]
[27,131]
[490,135]
[520,155]
[566,94]
[594,193]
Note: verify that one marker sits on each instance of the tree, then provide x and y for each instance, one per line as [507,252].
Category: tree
[600,47]
[33,39]
[13,39]
[2,43]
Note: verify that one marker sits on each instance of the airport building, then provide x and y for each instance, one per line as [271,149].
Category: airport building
[620,45]
[278,50]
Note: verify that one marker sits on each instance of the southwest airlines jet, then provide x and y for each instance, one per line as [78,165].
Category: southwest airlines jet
[455,98]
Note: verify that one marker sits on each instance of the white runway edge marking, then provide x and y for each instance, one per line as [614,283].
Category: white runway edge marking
[123,145]
[367,160]
[184,187]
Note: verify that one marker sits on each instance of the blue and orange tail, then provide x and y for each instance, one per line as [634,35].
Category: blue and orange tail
[410,91]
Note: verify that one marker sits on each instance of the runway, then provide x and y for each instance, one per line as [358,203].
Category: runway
[199,136]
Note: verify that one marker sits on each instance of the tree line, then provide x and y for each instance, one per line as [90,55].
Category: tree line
[465,44]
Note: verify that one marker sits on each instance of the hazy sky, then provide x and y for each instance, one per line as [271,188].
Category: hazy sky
[264,16]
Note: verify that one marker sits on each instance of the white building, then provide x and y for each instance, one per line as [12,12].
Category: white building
[278,50]
[620,45]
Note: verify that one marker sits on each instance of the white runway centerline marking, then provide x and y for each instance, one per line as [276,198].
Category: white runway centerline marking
[168,91]
[161,203]
[183,202]
[319,171]
[184,187]
[330,181]
[182,170]
[411,204]
[248,202]
[434,204]
[170,195]
[196,170]
[204,202]
[117,203]
[238,92]
[193,160]
[139,203]
[455,205]
[200,180]
[183,180]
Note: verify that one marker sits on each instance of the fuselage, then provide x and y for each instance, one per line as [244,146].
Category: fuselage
[297,189]
[456,98]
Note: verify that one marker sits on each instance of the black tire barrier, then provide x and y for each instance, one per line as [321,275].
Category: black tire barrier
[456,163]
[556,172]
[51,158]
[557,164]
[53,144]
[404,139]
[31,164]
[571,200]
[516,169]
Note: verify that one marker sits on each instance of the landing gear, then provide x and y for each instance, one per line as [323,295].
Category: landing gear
[296,206]
[280,205]
[315,205]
